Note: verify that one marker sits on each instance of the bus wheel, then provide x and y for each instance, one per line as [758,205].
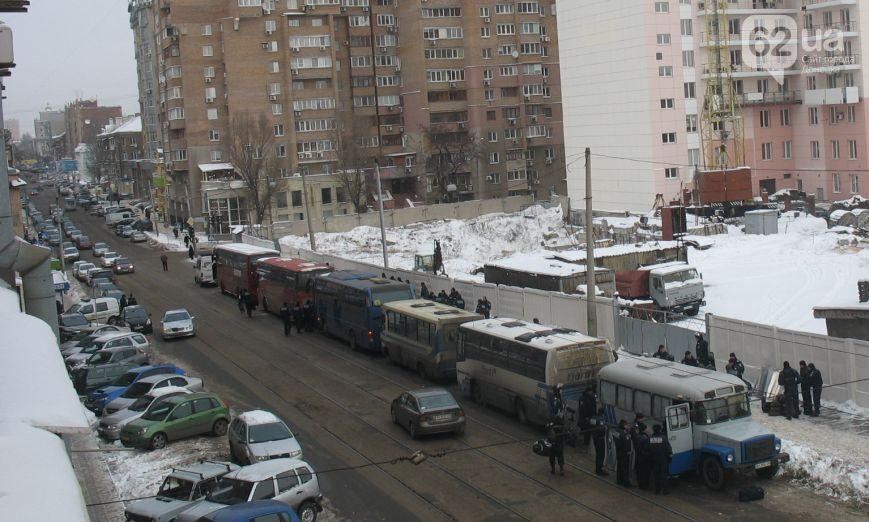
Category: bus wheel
[713,473]
[519,408]
[477,393]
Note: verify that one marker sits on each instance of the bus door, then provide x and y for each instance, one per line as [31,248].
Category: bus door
[681,438]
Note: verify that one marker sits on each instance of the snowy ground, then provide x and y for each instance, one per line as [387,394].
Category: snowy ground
[164,237]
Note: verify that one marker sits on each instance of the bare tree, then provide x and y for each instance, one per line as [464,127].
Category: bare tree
[449,154]
[353,160]
[252,152]
[96,160]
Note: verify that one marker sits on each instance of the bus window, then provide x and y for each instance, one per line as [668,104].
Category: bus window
[608,394]
[422,332]
[411,328]
[659,405]
[678,418]
[625,398]
[643,403]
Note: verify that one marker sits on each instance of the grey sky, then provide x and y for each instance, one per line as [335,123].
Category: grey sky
[66,49]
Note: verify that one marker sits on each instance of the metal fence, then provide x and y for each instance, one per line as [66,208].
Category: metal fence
[642,336]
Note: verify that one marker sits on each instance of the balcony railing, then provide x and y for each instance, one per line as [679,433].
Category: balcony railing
[749,4]
[771,98]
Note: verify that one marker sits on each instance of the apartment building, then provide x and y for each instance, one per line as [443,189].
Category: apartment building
[122,153]
[48,130]
[14,128]
[637,76]
[454,100]
[83,120]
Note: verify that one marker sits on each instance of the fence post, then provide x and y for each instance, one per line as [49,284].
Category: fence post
[616,317]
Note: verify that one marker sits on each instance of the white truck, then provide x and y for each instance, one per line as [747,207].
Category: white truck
[118,215]
[673,287]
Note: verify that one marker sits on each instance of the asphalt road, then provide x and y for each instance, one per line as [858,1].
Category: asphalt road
[337,402]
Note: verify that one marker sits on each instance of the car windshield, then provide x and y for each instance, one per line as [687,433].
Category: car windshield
[159,413]
[125,380]
[99,245]
[74,320]
[110,255]
[722,409]
[74,308]
[137,390]
[176,489]
[176,316]
[70,250]
[85,267]
[99,358]
[142,403]
[84,239]
[268,432]
[231,491]
[135,313]
[681,276]
[443,400]
[122,261]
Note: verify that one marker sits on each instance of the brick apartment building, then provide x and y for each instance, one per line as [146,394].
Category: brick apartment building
[456,100]
[122,153]
[83,120]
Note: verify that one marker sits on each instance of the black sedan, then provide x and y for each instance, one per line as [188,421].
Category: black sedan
[71,323]
[136,319]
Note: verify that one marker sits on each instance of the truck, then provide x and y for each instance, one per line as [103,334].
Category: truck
[204,264]
[675,287]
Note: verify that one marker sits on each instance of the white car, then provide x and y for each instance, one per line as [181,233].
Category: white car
[80,272]
[178,323]
[113,340]
[149,385]
[109,259]
[100,249]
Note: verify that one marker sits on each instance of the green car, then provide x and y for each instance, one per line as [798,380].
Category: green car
[176,418]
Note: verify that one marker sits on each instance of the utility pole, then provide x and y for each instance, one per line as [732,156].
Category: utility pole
[590,283]
[382,228]
[308,216]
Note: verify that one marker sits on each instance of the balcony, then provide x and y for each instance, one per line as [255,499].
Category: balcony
[749,7]
[811,5]
[770,98]
[742,70]
[834,96]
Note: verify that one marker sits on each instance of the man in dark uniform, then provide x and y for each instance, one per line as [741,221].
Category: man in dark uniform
[817,383]
[623,454]
[298,317]
[597,425]
[587,410]
[308,316]
[249,303]
[555,435]
[486,307]
[132,300]
[642,464]
[805,388]
[690,360]
[286,318]
[660,453]
[662,353]
[123,304]
[790,380]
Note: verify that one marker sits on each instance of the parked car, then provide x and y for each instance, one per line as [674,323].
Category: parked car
[99,310]
[177,418]
[87,378]
[100,249]
[70,323]
[53,238]
[104,348]
[178,323]
[84,243]
[77,264]
[108,259]
[86,336]
[75,234]
[179,491]
[126,222]
[79,272]
[138,237]
[256,436]
[100,273]
[70,254]
[291,481]
[136,318]
[67,244]
[97,400]
[253,511]
[147,385]
[428,411]
[144,225]
[101,285]
[127,231]
[111,423]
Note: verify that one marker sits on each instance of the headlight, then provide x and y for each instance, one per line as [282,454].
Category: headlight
[730,458]
[148,322]
[142,431]
[112,427]
[777,447]
[294,454]
[261,458]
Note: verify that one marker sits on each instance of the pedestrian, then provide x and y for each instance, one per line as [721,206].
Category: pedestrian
[298,317]
[123,303]
[250,302]
[556,403]
[790,380]
[535,320]
[240,293]
[660,455]
[190,252]
[392,278]
[690,360]
[479,308]
[623,454]
[186,240]
[131,301]
[286,319]
[443,298]
[642,464]
[702,349]
[806,389]
[308,315]
[424,291]
[486,307]
[175,231]
[555,435]
[164,260]
[662,353]
[598,435]
[738,367]
[587,410]
[817,383]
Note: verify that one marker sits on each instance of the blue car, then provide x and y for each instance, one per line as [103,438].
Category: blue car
[255,511]
[97,399]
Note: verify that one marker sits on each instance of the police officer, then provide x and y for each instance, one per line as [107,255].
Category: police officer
[805,388]
[587,410]
[702,349]
[298,317]
[790,380]
[555,434]
[660,454]
[623,454]
[817,383]
[286,319]
[597,425]
[642,464]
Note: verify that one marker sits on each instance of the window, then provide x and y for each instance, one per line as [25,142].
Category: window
[271,26]
[281,151]
[813,115]
[786,149]
[494,158]
[855,184]
[764,119]
[274,67]
[691,123]
[686,27]
[281,199]
[206,30]
[266,488]
[487,53]
[326,195]
[207,50]
[624,398]
[785,117]
[688,58]
[766,151]
[250,3]
[296,197]
[667,103]
[212,114]
[852,149]
[663,39]
[485,12]
[277,109]
[837,182]
[816,149]
[279,129]
[852,114]
[834,149]
[492,136]
[216,155]
[665,71]
[690,90]
[671,172]
[662,7]
[694,157]
[213,135]
[668,137]
[287,481]
[182,410]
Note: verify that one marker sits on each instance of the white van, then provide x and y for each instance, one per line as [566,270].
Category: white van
[203,267]
[114,217]
[99,310]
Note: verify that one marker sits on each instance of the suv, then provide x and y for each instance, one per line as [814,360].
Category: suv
[179,490]
[177,418]
[254,511]
[100,273]
[99,398]
[291,481]
[256,436]
[112,341]
[150,383]
[71,323]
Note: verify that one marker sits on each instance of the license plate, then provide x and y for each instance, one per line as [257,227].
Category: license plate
[763,465]
[441,418]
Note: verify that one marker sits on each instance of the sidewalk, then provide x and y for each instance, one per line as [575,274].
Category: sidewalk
[95,479]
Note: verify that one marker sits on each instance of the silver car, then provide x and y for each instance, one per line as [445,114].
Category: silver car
[178,323]
[291,481]
[111,341]
[87,336]
[110,425]
[100,249]
[256,436]
[180,490]
[148,385]
[428,411]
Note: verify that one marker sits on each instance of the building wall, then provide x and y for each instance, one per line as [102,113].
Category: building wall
[50,123]
[14,127]
[84,119]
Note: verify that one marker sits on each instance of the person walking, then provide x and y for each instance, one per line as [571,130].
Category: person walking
[190,253]
[175,231]
[690,360]
[186,240]
[286,319]
[555,435]
[587,410]
[805,388]
[308,315]
[790,380]
[131,301]
[123,303]
[250,302]
[240,293]
[164,260]
[663,353]
[298,317]
[623,454]
[597,425]
[817,384]
[660,454]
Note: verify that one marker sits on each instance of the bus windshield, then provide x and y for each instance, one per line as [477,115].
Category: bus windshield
[722,409]
[392,293]
[581,363]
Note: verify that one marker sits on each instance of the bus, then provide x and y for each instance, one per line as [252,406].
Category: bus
[706,415]
[513,365]
[235,266]
[422,335]
[286,280]
[348,305]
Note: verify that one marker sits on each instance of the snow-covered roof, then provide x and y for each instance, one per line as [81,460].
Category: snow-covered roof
[28,346]
[40,483]
[668,268]
[211,167]
[539,336]
[837,214]
[165,390]
[256,417]
[131,126]
[262,470]
[16,182]
[574,256]
[81,147]
[244,248]
[668,378]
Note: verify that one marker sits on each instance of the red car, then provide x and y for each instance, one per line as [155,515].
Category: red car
[122,265]
[84,243]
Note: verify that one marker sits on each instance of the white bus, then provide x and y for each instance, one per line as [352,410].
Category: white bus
[706,415]
[422,335]
[513,364]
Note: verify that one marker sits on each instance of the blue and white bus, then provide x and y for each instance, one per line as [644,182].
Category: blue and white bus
[348,305]
[706,415]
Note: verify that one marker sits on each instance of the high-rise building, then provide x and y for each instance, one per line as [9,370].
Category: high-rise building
[638,72]
[14,128]
[48,131]
[455,100]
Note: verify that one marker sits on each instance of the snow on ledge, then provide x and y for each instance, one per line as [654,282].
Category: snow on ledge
[39,482]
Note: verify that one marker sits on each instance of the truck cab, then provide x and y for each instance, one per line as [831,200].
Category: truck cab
[676,287]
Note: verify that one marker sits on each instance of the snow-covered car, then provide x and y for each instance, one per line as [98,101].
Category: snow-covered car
[178,323]
[111,341]
[111,424]
[109,259]
[149,384]
[87,336]
[256,436]
[179,491]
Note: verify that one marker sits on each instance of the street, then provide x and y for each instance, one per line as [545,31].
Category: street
[337,402]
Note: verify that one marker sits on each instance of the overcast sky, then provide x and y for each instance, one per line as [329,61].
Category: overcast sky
[66,49]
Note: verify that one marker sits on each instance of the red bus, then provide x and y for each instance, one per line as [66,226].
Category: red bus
[286,280]
[235,266]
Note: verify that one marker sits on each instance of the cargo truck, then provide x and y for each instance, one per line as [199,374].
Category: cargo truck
[673,287]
